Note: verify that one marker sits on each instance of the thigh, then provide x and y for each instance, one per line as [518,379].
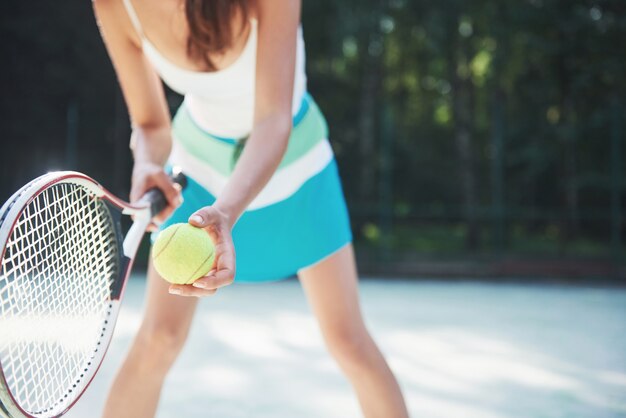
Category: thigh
[165,311]
[331,287]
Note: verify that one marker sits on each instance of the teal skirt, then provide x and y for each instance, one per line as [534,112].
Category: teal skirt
[297,220]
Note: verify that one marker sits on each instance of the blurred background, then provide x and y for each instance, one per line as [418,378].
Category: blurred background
[475,138]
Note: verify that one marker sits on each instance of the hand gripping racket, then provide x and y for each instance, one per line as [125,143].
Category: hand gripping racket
[65,262]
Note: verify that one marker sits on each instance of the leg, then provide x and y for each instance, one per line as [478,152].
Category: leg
[331,289]
[136,389]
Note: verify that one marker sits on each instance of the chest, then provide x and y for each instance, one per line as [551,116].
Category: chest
[164,25]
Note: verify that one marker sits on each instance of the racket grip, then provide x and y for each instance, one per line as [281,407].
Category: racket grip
[156,198]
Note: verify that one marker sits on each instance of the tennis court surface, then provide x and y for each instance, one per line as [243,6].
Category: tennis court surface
[467,350]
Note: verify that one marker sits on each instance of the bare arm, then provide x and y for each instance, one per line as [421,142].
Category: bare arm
[276,58]
[143,92]
[275,68]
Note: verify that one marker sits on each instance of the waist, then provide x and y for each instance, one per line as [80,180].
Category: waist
[211,160]
[308,130]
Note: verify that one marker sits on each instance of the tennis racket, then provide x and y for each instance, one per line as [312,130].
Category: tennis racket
[65,263]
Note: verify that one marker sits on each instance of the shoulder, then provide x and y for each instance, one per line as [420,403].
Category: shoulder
[112,17]
[264,9]
[106,8]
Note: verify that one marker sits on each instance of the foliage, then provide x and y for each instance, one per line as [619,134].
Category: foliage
[525,94]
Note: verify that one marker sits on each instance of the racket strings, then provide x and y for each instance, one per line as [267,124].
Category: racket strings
[57,270]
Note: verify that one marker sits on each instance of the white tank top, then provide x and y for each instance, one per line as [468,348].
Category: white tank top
[220,102]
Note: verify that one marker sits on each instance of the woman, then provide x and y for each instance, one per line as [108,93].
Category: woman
[254,147]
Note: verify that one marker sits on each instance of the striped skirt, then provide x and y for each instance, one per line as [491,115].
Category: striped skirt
[298,219]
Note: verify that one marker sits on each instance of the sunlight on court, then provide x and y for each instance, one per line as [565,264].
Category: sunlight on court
[459,350]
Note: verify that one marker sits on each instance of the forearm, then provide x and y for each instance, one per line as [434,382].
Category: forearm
[151,144]
[151,148]
[258,162]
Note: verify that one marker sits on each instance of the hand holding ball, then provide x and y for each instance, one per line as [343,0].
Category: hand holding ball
[183,253]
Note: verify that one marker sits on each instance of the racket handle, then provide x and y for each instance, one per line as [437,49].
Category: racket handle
[156,198]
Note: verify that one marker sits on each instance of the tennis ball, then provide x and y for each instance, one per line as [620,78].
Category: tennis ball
[183,253]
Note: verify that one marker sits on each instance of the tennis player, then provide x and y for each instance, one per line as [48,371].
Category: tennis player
[262,178]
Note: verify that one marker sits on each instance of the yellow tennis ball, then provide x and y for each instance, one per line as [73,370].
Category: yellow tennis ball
[183,253]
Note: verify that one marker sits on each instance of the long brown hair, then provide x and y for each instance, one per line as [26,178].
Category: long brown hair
[210,27]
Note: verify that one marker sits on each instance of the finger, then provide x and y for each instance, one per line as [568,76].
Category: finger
[226,263]
[225,272]
[190,291]
[165,184]
[200,218]
[163,215]
[225,276]
[208,216]
[220,279]
[137,191]
[201,282]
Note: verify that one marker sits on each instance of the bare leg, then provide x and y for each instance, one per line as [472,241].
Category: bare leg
[137,387]
[331,288]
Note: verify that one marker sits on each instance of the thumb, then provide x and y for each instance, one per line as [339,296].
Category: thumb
[135,192]
[200,218]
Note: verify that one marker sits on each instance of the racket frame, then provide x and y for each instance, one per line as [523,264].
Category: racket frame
[142,215]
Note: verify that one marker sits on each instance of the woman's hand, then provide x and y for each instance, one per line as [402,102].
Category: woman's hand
[218,225]
[148,175]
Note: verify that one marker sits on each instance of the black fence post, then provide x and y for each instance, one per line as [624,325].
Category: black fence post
[71,136]
[497,175]
[616,180]
[386,181]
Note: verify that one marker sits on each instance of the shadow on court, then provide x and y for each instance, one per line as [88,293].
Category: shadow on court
[468,350]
